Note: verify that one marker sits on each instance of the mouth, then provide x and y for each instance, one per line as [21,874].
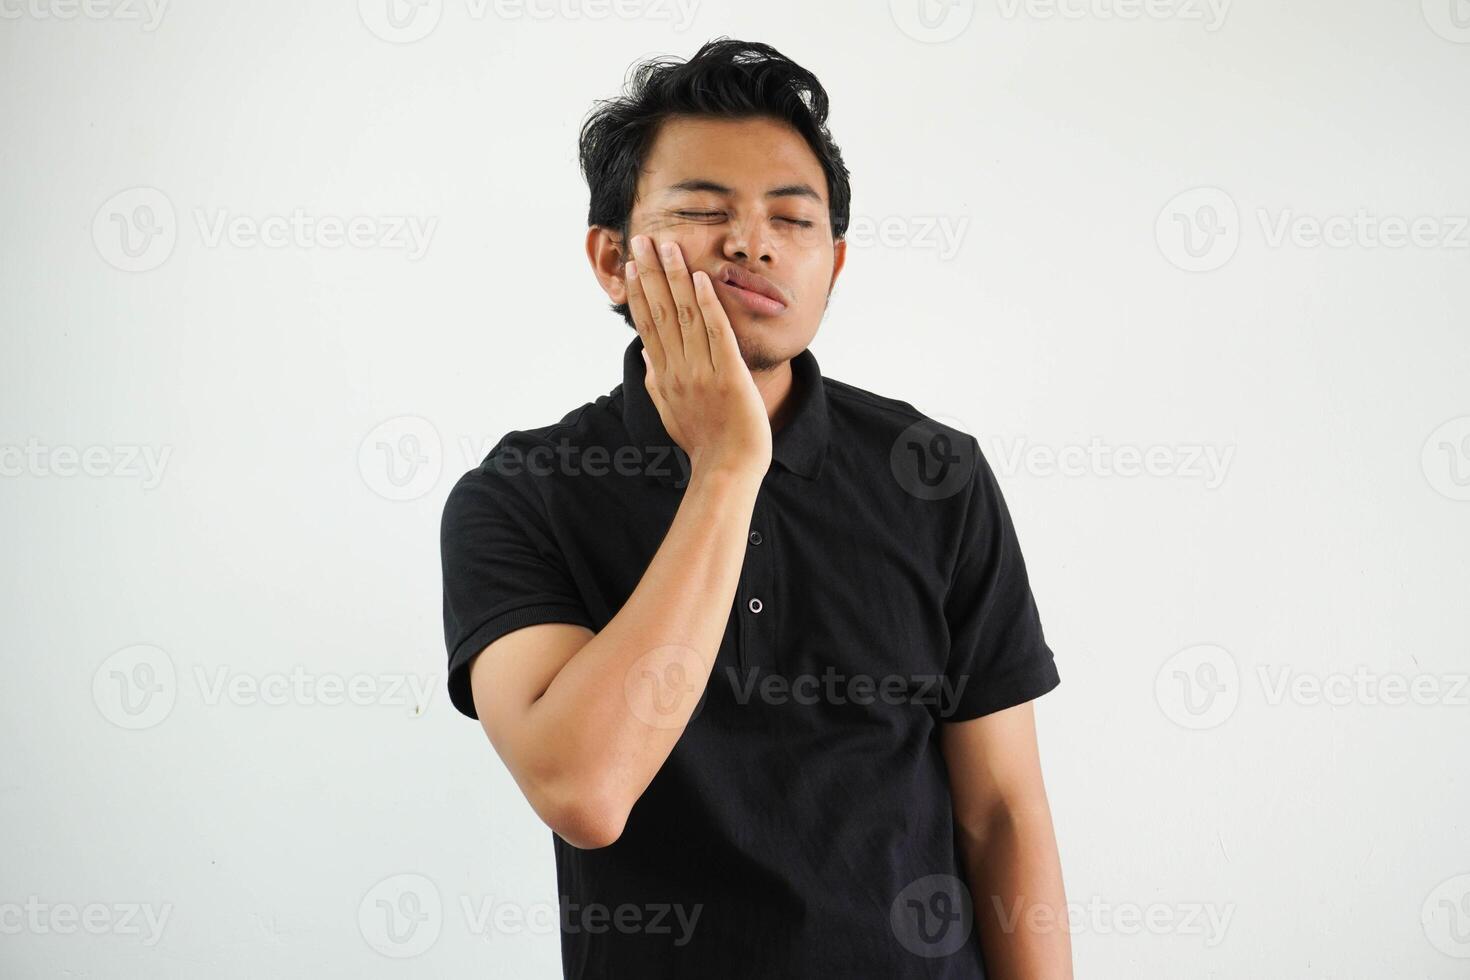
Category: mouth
[752,291]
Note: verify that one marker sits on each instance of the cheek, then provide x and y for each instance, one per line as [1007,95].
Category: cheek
[699,243]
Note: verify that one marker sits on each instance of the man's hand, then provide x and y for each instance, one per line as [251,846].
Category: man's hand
[696,377]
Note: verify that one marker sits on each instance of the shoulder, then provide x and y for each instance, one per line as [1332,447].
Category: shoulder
[859,415]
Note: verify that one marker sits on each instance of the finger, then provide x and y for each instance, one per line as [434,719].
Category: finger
[657,298]
[638,307]
[723,347]
[686,307]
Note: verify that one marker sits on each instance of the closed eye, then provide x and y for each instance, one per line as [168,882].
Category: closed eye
[716,214]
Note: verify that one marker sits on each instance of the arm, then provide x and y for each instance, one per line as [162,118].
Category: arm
[583,742]
[1004,828]
[584,721]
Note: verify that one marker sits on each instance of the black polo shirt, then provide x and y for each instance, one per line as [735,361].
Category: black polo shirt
[802,825]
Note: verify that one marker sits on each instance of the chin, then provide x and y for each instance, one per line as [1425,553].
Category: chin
[765,344]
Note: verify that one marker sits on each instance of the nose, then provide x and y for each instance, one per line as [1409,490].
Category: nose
[747,240]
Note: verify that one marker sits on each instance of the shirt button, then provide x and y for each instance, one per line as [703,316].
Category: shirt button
[756,606]
[755,537]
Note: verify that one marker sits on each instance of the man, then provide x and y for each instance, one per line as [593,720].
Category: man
[757,645]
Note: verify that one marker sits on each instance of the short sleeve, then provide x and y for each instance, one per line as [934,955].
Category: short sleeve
[997,649]
[502,569]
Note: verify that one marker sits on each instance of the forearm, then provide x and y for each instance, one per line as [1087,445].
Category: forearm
[611,716]
[1015,878]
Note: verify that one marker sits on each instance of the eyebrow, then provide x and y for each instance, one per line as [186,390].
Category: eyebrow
[696,184]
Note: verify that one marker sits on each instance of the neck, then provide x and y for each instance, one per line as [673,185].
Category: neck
[778,391]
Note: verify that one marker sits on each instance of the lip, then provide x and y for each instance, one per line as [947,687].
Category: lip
[750,289]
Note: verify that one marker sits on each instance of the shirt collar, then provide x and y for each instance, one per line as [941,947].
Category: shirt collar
[800,445]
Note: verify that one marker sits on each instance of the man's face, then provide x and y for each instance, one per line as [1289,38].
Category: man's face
[748,195]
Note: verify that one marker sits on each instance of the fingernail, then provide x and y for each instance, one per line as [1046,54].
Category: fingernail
[630,270]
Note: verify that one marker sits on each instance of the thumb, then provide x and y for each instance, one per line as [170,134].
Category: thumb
[649,380]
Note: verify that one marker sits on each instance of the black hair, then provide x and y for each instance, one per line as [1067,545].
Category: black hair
[726,79]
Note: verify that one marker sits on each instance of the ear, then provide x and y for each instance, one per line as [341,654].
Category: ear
[606,253]
[839,259]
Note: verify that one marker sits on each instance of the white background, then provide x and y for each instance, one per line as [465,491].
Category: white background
[284,393]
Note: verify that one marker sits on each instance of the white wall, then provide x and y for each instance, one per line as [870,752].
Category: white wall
[1327,543]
